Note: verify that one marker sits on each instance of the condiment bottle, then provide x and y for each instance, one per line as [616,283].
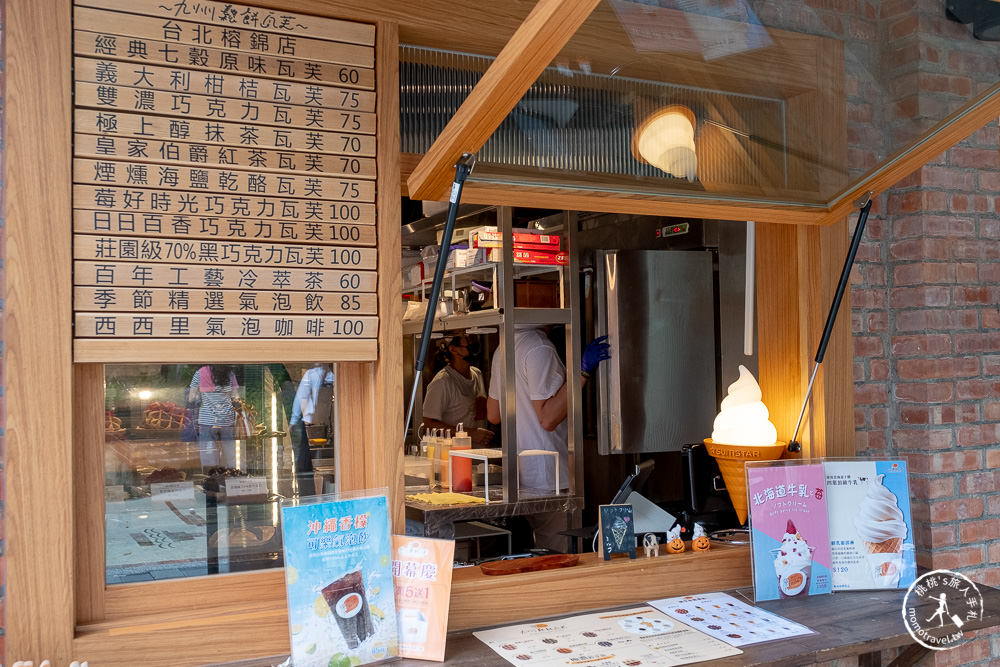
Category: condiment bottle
[444,448]
[461,467]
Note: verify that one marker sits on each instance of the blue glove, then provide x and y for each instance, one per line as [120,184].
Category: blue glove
[595,352]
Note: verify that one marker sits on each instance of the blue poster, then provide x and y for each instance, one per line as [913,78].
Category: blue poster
[338,575]
[871,530]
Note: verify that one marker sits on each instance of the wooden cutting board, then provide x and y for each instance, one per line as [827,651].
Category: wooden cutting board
[534,564]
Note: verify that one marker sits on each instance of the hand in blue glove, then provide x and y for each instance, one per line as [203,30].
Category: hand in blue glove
[595,352]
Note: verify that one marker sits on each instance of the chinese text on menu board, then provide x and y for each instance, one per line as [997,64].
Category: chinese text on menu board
[224,173]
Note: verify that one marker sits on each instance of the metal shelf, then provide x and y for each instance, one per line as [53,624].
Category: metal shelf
[463,276]
[491,317]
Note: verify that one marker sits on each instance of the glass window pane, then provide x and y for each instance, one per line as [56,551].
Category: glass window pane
[198,458]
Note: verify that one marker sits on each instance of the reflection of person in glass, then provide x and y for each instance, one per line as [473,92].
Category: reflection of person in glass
[457,394]
[312,404]
[212,391]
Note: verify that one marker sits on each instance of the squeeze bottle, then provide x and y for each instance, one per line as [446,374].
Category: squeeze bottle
[461,473]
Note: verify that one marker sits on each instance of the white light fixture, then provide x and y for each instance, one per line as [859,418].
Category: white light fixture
[666,141]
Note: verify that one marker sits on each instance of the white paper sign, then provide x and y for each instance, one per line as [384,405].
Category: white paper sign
[729,619]
[245,486]
[164,491]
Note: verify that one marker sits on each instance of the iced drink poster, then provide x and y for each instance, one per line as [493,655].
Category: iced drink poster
[421,570]
[871,532]
[341,606]
[789,539]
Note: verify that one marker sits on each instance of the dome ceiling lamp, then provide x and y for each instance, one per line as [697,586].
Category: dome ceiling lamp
[665,139]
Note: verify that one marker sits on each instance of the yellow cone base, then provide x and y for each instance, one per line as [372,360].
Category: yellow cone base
[890,546]
[732,460]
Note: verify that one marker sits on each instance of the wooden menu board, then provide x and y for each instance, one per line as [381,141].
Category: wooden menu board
[224,180]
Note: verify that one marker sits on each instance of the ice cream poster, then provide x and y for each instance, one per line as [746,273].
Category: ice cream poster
[421,570]
[790,542]
[338,577]
[871,532]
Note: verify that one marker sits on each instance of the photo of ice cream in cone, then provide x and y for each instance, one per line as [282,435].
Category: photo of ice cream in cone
[742,432]
[881,530]
[793,563]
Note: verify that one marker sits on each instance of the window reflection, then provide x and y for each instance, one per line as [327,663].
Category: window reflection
[198,458]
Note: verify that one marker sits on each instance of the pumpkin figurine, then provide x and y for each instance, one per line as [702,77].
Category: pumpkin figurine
[675,544]
[699,540]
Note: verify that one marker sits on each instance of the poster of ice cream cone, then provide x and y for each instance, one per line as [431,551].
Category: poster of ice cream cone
[341,605]
[790,542]
[871,532]
[421,570]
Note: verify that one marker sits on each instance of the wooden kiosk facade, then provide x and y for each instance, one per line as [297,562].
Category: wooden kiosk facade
[58,606]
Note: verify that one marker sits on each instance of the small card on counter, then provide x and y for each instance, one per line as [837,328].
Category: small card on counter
[637,636]
[164,491]
[244,488]
[421,573]
[733,621]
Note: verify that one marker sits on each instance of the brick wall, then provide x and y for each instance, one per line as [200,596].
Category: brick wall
[926,288]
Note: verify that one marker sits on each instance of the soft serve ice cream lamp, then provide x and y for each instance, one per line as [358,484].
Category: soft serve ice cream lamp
[742,432]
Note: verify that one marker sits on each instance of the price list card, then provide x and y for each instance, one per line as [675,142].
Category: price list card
[224,177]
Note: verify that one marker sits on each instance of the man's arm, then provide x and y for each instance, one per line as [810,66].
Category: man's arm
[552,411]
[492,410]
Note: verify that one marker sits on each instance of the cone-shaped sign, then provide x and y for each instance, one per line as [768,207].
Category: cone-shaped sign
[732,459]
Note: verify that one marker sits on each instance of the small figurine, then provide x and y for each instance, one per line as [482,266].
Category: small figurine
[675,544]
[651,545]
[699,540]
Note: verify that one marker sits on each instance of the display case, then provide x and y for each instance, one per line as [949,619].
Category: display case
[197,458]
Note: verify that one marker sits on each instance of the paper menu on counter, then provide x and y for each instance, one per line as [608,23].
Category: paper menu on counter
[627,637]
[421,572]
[871,529]
[341,607]
[790,541]
[727,618]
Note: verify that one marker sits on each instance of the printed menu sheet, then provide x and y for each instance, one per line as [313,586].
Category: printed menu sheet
[624,638]
[871,531]
[421,572]
[733,621]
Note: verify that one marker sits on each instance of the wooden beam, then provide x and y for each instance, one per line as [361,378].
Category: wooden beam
[88,491]
[905,161]
[544,32]
[387,437]
[38,357]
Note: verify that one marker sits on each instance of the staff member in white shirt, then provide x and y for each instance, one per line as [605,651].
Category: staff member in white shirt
[456,392]
[541,408]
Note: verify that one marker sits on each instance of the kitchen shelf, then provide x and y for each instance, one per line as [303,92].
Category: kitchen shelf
[465,275]
[490,317]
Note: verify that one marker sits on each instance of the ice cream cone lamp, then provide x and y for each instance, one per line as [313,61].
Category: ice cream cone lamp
[742,432]
[665,139]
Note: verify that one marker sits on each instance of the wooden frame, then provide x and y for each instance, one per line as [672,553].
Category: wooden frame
[58,607]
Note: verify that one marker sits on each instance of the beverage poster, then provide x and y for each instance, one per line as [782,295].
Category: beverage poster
[341,606]
[421,570]
[871,530]
[790,542]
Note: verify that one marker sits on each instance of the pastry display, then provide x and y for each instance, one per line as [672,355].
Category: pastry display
[165,415]
[216,480]
[165,474]
[112,424]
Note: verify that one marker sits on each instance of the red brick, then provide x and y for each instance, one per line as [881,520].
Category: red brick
[921,249]
[870,393]
[859,372]
[974,249]
[978,531]
[976,158]
[943,511]
[878,322]
[920,344]
[933,225]
[981,482]
[994,552]
[868,298]
[922,273]
[868,346]
[924,439]
[959,61]
[941,536]
[993,458]
[964,653]
[991,410]
[923,296]
[994,505]
[979,434]
[991,318]
[948,178]
[975,389]
[976,342]
[991,364]
[924,392]
[989,180]
[878,417]
[865,441]
[930,488]
[860,418]
[943,462]
[938,320]
[967,296]
[869,252]
[879,369]
[947,367]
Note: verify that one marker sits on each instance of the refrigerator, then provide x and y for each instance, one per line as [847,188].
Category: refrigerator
[658,308]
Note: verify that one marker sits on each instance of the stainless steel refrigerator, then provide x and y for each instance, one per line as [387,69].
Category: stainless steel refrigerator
[658,309]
